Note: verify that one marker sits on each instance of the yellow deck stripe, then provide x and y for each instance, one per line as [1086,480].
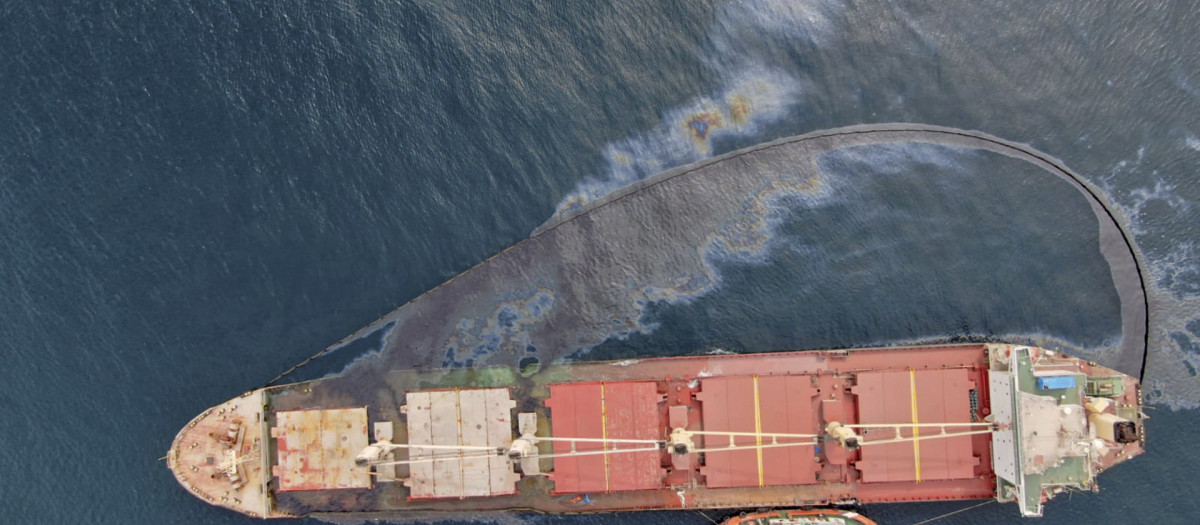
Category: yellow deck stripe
[604,433]
[758,432]
[462,474]
[912,387]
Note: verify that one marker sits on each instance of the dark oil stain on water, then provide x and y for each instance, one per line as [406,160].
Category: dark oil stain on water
[196,196]
[899,255]
[585,281]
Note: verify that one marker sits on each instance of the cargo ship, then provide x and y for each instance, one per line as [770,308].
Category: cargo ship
[807,429]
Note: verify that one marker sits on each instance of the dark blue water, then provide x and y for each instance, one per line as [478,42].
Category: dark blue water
[195,196]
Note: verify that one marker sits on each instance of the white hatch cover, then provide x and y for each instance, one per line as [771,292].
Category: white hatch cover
[462,417]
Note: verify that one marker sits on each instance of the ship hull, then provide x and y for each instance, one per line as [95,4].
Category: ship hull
[765,416]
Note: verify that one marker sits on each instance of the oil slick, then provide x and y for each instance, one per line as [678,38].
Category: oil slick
[744,237]
[747,237]
[602,290]
[686,134]
[505,329]
[750,97]
[668,240]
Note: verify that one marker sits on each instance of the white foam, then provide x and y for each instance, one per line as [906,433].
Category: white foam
[1170,366]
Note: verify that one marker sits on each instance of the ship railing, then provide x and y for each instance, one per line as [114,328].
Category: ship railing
[778,440]
[441,447]
[573,453]
[658,444]
[442,457]
[916,427]
[901,439]
[758,436]
[750,434]
[732,448]
[501,453]
[600,440]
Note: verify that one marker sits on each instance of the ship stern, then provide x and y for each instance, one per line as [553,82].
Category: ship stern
[1059,421]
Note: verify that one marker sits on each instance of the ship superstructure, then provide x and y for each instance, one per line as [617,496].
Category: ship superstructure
[787,429]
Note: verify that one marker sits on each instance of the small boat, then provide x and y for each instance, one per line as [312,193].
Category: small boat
[801,517]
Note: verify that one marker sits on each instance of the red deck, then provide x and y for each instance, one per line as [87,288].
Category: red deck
[925,396]
[782,404]
[784,394]
[606,410]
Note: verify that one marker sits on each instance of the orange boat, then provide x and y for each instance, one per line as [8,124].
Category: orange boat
[801,517]
[789,429]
